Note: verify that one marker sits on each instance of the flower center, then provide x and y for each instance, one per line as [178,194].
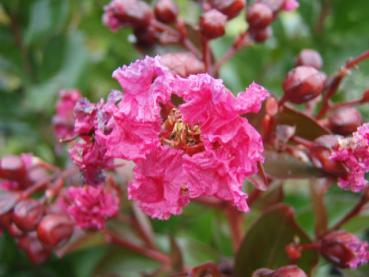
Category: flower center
[178,134]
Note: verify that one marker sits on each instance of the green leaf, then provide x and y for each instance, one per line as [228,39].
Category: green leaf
[285,166]
[41,96]
[266,240]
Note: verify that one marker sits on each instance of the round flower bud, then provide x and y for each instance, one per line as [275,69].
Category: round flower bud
[320,156]
[345,120]
[8,200]
[302,84]
[261,35]
[344,249]
[212,24]
[14,231]
[134,13]
[289,271]
[35,251]
[309,57]
[27,214]
[262,272]
[166,11]
[13,168]
[55,229]
[231,8]
[259,16]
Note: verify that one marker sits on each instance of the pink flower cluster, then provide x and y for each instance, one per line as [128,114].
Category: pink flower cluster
[187,137]
[345,249]
[90,206]
[353,152]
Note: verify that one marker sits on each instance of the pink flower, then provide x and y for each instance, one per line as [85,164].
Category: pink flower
[159,184]
[63,120]
[345,249]
[90,206]
[290,5]
[353,152]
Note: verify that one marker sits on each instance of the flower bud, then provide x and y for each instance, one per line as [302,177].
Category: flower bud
[183,63]
[134,13]
[35,251]
[289,271]
[212,24]
[231,8]
[27,214]
[145,37]
[321,157]
[345,120]
[14,231]
[365,97]
[8,199]
[166,11]
[302,84]
[55,229]
[309,57]
[5,220]
[262,272]
[12,168]
[259,16]
[261,35]
[344,249]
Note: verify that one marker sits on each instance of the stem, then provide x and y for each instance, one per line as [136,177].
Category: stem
[235,220]
[354,212]
[205,53]
[239,42]
[299,140]
[337,79]
[349,103]
[142,232]
[144,251]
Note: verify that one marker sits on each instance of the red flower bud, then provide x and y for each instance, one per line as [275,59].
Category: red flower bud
[166,11]
[320,156]
[27,214]
[302,84]
[55,229]
[183,63]
[5,220]
[309,57]
[345,249]
[212,24]
[35,251]
[262,272]
[146,36]
[259,16]
[345,120]
[231,8]
[14,231]
[365,97]
[289,271]
[293,251]
[261,35]
[8,199]
[12,168]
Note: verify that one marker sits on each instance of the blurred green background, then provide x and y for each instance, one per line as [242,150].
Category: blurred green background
[47,45]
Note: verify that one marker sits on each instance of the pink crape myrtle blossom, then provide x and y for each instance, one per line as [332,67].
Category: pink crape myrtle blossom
[353,152]
[345,249]
[214,146]
[90,206]
[290,5]
[63,121]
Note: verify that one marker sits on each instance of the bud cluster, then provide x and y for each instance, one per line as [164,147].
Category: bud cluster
[37,228]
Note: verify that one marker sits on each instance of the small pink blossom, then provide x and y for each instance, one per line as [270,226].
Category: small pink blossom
[90,206]
[290,5]
[63,120]
[345,249]
[353,152]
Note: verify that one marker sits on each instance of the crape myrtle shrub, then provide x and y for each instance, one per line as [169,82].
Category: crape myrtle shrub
[231,141]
